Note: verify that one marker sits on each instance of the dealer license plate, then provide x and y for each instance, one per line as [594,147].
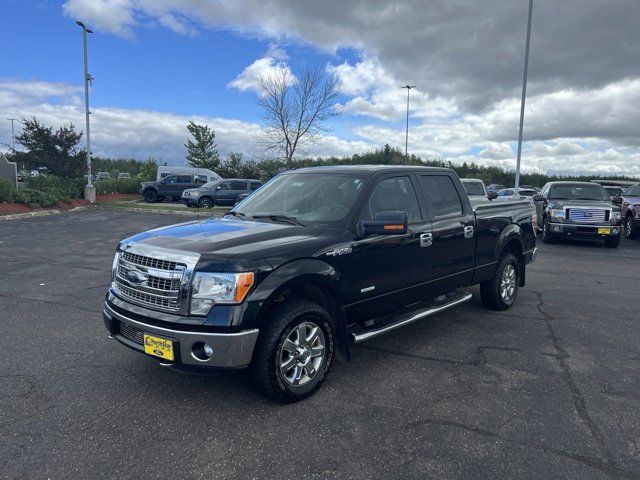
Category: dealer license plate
[158,347]
[604,231]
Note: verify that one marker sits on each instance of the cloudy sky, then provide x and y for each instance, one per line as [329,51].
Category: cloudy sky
[160,63]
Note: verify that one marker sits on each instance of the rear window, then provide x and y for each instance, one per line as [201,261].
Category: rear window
[474,188]
[443,195]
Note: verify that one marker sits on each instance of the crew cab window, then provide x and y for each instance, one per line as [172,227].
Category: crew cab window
[443,195]
[223,186]
[185,179]
[202,179]
[170,180]
[393,194]
[238,185]
[255,185]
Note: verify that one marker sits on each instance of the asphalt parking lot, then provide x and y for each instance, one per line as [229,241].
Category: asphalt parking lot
[549,389]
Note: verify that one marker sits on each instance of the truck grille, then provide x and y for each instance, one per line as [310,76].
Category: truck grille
[588,215]
[149,282]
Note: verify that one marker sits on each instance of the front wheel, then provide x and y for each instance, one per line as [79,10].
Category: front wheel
[150,196]
[205,202]
[501,291]
[630,228]
[294,352]
[547,236]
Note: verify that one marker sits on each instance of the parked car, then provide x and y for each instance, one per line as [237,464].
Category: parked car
[103,176]
[220,192]
[630,210]
[474,188]
[510,194]
[495,187]
[23,175]
[123,176]
[613,190]
[170,187]
[577,209]
[316,259]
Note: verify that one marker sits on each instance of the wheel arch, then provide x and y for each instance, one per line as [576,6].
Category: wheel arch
[511,241]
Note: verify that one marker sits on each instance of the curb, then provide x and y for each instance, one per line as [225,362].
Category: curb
[153,210]
[40,213]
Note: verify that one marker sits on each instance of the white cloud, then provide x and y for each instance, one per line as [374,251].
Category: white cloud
[114,16]
[273,64]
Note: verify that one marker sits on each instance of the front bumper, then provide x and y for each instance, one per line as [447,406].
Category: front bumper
[190,201]
[588,231]
[230,350]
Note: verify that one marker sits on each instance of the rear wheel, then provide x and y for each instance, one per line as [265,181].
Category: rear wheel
[612,242]
[150,196]
[501,291]
[294,352]
[630,228]
[205,202]
[547,236]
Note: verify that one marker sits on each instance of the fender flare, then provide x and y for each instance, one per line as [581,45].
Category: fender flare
[300,272]
[512,233]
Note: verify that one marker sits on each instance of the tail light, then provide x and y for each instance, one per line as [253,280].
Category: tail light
[534,222]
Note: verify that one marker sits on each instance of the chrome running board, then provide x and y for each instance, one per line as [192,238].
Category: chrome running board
[451,300]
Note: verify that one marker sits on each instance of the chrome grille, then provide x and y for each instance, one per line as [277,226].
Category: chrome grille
[588,215]
[150,282]
[131,333]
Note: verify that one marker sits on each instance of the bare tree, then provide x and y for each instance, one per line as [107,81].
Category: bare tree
[294,110]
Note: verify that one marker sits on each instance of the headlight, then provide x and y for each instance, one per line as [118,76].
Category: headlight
[208,289]
[186,194]
[556,213]
[114,266]
[614,215]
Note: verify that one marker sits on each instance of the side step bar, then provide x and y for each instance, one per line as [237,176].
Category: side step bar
[405,319]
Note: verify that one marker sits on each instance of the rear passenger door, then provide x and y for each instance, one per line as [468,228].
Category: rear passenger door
[453,232]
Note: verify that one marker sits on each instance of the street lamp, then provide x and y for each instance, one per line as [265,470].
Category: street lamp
[406,139]
[89,189]
[524,94]
[13,134]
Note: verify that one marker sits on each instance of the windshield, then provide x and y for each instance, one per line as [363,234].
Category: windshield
[305,197]
[578,192]
[474,188]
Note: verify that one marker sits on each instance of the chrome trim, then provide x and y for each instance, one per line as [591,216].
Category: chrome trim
[412,317]
[231,350]
[185,274]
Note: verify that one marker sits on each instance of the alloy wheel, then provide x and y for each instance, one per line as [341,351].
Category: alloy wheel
[302,354]
[508,283]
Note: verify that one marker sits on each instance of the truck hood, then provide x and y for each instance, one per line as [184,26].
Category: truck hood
[561,204]
[226,237]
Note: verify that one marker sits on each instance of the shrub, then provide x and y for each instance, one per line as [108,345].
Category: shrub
[36,198]
[113,185]
[7,191]
[62,189]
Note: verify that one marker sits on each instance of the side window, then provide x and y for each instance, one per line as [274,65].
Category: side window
[202,179]
[443,195]
[393,194]
[238,185]
[224,186]
[170,180]
[185,179]
[633,191]
[255,185]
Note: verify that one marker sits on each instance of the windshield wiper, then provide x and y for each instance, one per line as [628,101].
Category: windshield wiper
[240,215]
[281,218]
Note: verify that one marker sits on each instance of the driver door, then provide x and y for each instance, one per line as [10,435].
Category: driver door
[389,268]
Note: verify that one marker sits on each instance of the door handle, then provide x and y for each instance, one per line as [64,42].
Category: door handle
[468,232]
[426,239]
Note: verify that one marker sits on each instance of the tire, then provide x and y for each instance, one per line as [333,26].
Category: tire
[205,202]
[150,196]
[630,228]
[268,369]
[547,236]
[492,291]
[612,242]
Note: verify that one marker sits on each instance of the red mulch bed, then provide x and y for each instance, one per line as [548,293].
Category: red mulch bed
[13,208]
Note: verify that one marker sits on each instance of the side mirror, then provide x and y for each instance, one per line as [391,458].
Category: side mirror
[617,199]
[538,198]
[492,195]
[385,223]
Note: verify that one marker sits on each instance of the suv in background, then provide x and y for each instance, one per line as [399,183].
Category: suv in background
[474,188]
[170,187]
[103,176]
[123,176]
[220,192]
[577,209]
[630,210]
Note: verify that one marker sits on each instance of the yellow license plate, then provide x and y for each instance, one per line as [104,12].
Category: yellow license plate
[158,347]
[604,231]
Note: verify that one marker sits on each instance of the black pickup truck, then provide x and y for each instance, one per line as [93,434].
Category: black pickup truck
[313,260]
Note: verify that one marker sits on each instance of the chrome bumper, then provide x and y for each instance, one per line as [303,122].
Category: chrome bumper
[230,350]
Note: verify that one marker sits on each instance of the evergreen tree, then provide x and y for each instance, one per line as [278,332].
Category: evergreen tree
[202,151]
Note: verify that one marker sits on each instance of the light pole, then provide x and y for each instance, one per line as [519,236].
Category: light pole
[524,94]
[13,134]
[89,189]
[406,138]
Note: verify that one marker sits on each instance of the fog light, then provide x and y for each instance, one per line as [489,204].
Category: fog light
[201,351]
